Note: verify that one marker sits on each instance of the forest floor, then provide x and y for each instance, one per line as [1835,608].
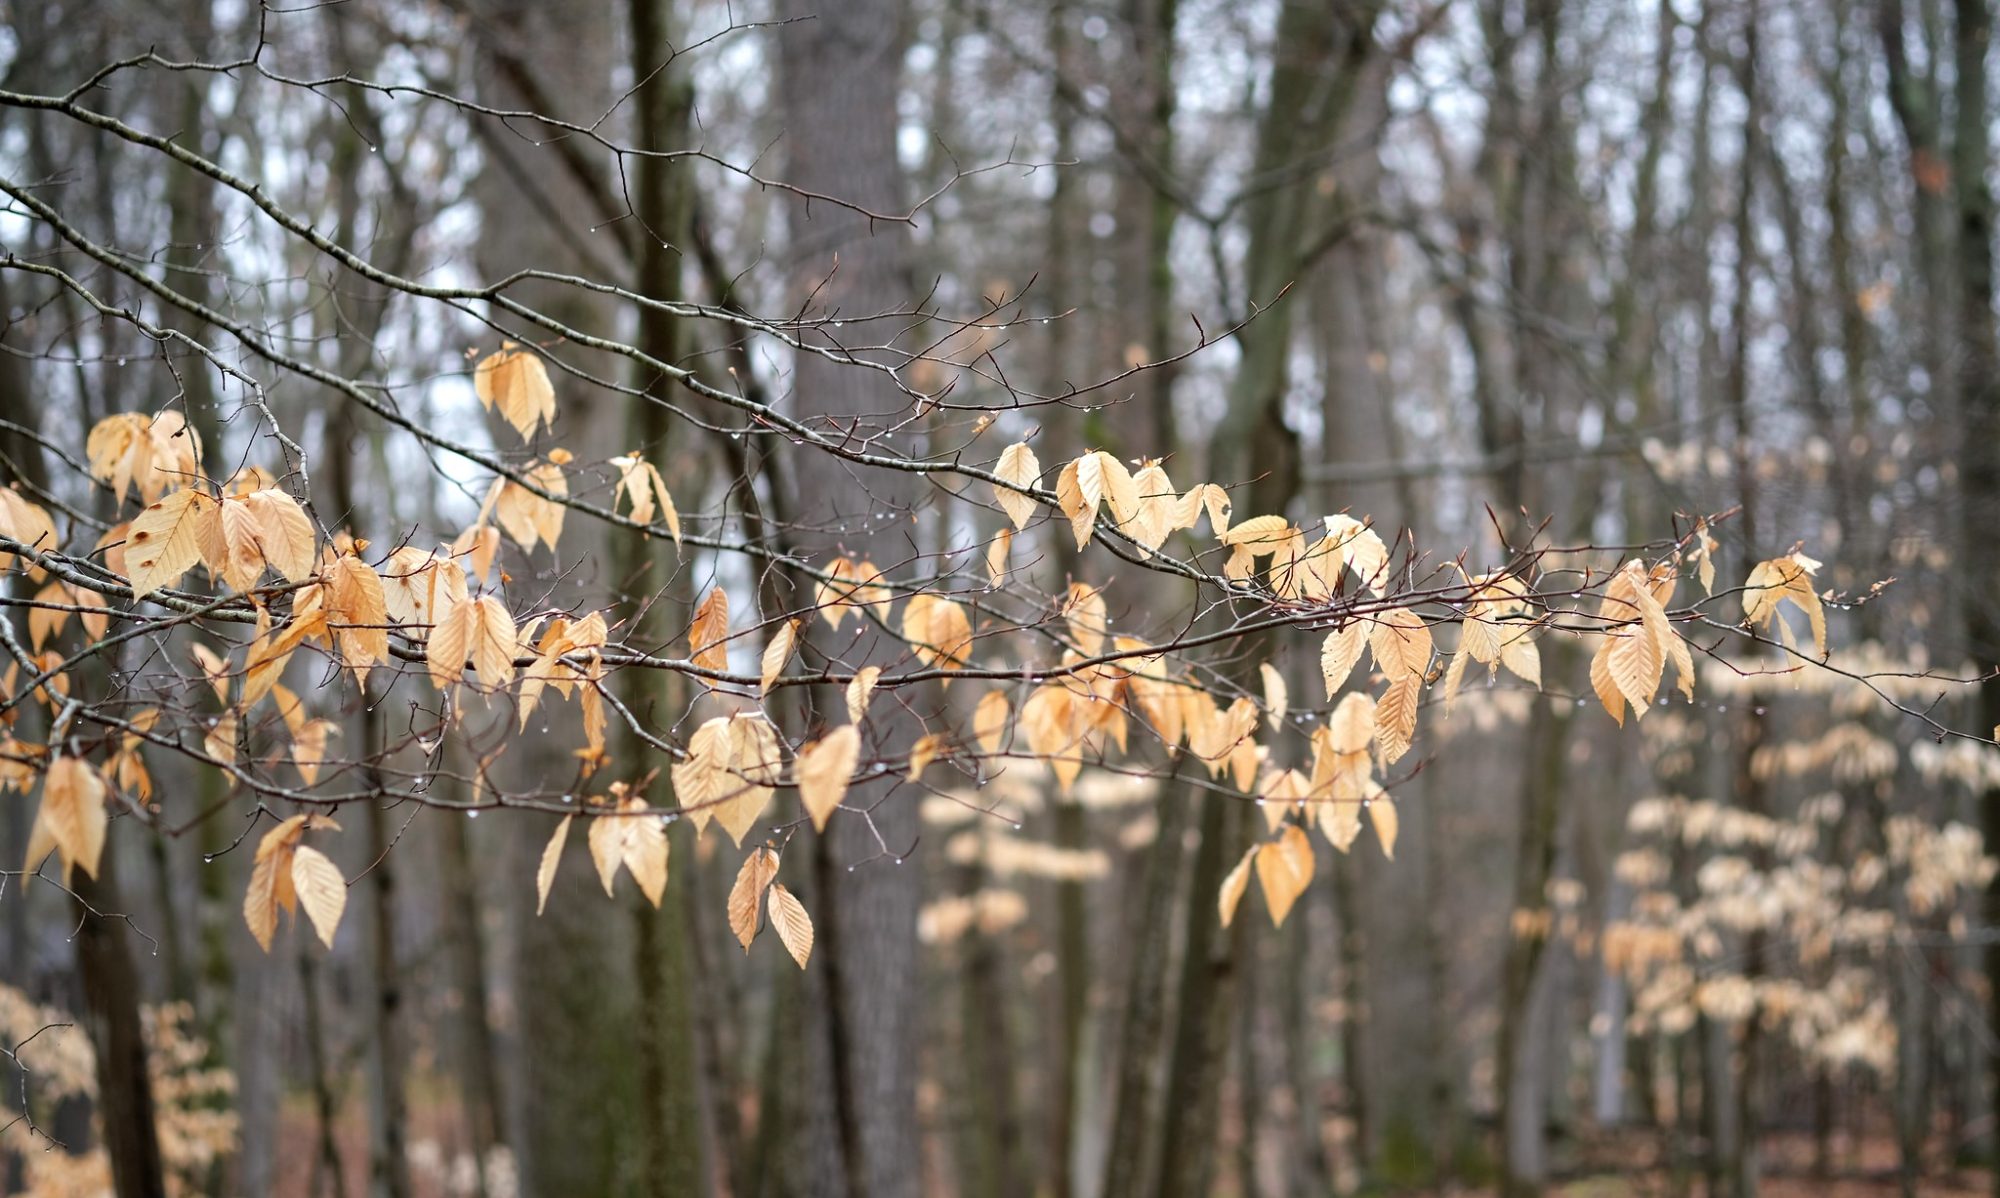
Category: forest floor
[1861,1168]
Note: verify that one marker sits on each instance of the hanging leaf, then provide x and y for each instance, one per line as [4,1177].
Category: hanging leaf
[776,654]
[1233,886]
[545,873]
[747,895]
[860,689]
[514,382]
[321,891]
[989,720]
[1019,467]
[708,636]
[793,925]
[824,768]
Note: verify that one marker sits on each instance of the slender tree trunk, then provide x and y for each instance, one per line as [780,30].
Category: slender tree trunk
[840,72]
[111,1000]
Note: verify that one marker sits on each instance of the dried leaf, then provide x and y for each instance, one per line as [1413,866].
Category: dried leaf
[515,382]
[777,653]
[793,925]
[1233,886]
[824,768]
[1019,467]
[709,634]
[989,720]
[545,873]
[321,891]
[860,689]
[747,895]
[165,540]
[1275,695]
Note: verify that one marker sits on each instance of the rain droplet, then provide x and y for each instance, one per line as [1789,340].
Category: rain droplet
[472,815]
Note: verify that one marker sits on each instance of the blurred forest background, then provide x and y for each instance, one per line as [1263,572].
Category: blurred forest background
[1466,266]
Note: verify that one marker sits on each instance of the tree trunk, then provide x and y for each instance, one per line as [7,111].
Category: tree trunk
[840,71]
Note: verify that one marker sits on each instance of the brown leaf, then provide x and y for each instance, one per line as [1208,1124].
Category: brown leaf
[708,635]
[747,895]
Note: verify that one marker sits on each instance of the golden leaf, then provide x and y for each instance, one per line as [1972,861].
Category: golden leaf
[776,654]
[938,630]
[515,382]
[755,763]
[284,535]
[793,925]
[1276,697]
[1361,549]
[860,689]
[831,595]
[1088,622]
[1261,534]
[1396,716]
[417,587]
[545,873]
[1339,653]
[1018,466]
[709,634]
[165,540]
[1382,813]
[996,556]
[645,849]
[1780,580]
[989,720]
[701,781]
[824,768]
[309,748]
[1158,509]
[357,612]
[1280,792]
[73,814]
[925,751]
[1604,684]
[1284,870]
[1233,886]
[747,895]
[321,891]
[450,639]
